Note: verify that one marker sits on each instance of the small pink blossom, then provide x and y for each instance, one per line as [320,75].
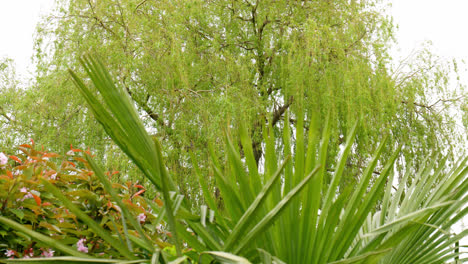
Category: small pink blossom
[141,217]
[48,253]
[27,196]
[28,253]
[3,159]
[70,153]
[24,190]
[10,253]
[80,245]
[53,176]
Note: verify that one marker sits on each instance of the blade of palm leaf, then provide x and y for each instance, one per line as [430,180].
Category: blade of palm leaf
[42,238]
[118,102]
[437,248]
[225,257]
[206,193]
[125,113]
[286,219]
[338,173]
[271,165]
[302,231]
[250,159]
[230,196]
[178,260]
[192,239]
[314,194]
[240,174]
[439,218]
[250,214]
[124,210]
[88,221]
[361,258]
[395,239]
[430,181]
[274,213]
[119,236]
[354,204]
[450,184]
[207,237]
[367,204]
[426,235]
[408,217]
[332,220]
[295,235]
[126,116]
[386,199]
[124,225]
[431,249]
[115,131]
[140,242]
[410,203]
[392,212]
[165,181]
[323,228]
[155,257]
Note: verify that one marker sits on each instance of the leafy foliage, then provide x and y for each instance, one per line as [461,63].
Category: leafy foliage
[25,197]
[196,67]
[307,217]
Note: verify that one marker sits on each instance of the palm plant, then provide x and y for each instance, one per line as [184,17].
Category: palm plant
[290,211]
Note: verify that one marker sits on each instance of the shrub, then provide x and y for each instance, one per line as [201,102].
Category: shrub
[25,200]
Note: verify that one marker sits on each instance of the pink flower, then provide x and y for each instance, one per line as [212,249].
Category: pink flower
[24,190]
[48,253]
[141,217]
[10,253]
[28,253]
[80,245]
[27,196]
[53,176]
[70,153]
[3,159]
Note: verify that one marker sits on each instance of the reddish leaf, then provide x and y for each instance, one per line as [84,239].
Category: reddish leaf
[115,172]
[50,155]
[25,146]
[37,199]
[32,141]
[9,174]
[71,163]
[75,150]
[36,158]
[16,159]
[139,186]
[138,193]
[46,204]
[80,159]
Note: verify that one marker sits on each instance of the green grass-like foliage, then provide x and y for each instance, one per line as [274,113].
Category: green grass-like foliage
[293,210]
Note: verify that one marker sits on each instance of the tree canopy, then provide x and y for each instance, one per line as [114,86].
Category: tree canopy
[194,68]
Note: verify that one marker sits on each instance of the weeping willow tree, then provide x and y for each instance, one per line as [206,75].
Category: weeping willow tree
[195,67]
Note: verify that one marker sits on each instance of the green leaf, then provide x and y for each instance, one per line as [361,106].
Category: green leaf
[225,257]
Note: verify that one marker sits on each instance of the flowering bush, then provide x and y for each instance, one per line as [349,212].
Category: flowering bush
[25,200]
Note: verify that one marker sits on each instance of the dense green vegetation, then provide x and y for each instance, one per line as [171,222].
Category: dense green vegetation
[271,130]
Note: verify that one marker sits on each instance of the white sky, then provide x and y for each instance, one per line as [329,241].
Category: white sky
[444,23]
[18,19]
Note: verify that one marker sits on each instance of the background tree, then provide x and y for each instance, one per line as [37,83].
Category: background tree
[195,67]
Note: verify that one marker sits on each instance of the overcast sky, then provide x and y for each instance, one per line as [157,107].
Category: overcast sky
[18,19]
